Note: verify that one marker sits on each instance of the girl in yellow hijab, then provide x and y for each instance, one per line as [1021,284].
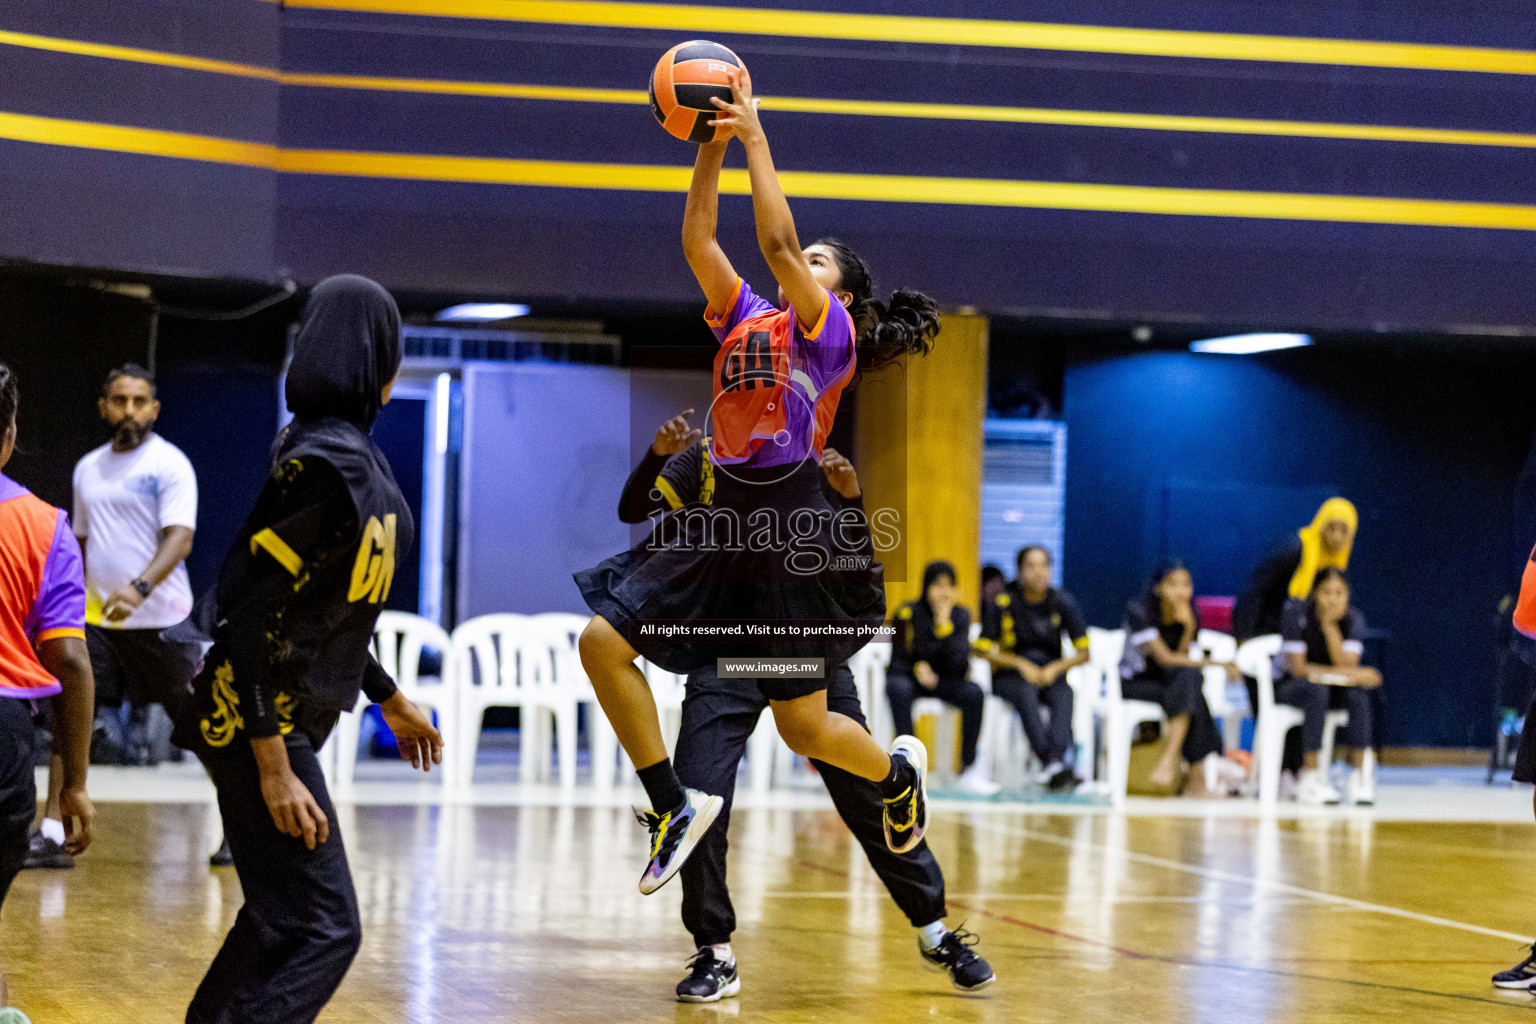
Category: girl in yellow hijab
[1328,541]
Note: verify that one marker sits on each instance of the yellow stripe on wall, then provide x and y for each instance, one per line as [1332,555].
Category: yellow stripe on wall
[803,184]
[802,104]
[945,111]
[57,131]
[131,53]
[497,90]
[961,32]
[929,190]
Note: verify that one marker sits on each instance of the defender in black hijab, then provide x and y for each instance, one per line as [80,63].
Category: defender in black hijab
[291,619]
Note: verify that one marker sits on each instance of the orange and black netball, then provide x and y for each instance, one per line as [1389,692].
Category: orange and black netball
[686,78]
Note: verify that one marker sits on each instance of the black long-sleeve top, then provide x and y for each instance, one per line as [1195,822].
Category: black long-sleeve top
[304,580]
[642,498]
[917,639]
[314,520]
[659,484]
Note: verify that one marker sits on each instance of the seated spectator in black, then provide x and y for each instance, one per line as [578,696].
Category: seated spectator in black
[1288,576]
[993,581]
[1319,668]
[931,657]
[1160,626]
[1021,632]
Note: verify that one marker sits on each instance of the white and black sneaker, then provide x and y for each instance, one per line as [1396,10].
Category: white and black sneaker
[675,834]
[709,980]
[956,955]
[1520,976]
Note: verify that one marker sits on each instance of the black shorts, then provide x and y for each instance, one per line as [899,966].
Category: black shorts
[792,689]
[136,665]
[18,788]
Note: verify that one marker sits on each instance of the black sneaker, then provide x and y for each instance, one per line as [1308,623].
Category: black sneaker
[906,815]
[1064,781]
[709,979]
[968,972]
[43,852]
[221,858]
[1522,975]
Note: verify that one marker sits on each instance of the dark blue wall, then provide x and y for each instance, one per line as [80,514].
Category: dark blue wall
[401,434]
[1218,459]
[224,419]
[67,203]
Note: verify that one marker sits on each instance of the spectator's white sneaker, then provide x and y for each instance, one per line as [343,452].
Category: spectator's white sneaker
[1287,785]
[1361,788]
[974,781]
[1231,777]
[1313,790]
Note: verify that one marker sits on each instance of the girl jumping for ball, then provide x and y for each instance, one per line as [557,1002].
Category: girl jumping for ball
[778,376]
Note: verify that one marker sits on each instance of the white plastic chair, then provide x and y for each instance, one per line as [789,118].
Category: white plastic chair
[668,690]
[398,640]
[877,710]
[510,661]
[1005,747]
[1332,723]
[1220,690]
[1121,717]
[562,632]
[1256,658]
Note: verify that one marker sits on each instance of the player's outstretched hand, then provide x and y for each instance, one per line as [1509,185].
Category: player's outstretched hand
[739,115]
[674,436]
[840,473]
[419,742]
[77,812]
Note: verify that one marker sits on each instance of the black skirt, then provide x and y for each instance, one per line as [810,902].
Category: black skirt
[772,551]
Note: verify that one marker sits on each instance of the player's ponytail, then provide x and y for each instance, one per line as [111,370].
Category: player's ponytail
[9,398]
[883,331]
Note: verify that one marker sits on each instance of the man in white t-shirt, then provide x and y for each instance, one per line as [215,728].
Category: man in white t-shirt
[135,513]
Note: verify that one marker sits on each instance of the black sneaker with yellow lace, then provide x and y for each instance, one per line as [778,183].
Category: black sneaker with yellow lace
[675,834]
[906,811]
[956,954]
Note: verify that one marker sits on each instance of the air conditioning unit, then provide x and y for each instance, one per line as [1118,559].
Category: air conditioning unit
[1023,490]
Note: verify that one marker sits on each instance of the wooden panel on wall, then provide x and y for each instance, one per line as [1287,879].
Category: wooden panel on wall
[919,451]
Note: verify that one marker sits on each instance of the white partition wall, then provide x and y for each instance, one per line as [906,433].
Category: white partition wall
[546,450]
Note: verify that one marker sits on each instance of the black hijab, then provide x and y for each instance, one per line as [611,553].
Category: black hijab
[347,350]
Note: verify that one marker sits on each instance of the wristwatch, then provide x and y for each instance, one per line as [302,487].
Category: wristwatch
[142,586]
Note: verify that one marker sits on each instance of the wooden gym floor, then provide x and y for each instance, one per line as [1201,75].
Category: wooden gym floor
[479,914]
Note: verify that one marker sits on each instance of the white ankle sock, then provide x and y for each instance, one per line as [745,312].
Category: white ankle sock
[724,953]
[930,935]
[52,828]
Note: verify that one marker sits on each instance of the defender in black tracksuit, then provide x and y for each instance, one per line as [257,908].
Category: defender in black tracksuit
[718,718]
[291,619]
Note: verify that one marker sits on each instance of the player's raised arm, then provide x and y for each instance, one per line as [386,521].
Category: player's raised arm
[776,234]
[714,272]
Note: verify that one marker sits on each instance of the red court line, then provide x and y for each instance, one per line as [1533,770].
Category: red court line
[1018,922]
[1217,964]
